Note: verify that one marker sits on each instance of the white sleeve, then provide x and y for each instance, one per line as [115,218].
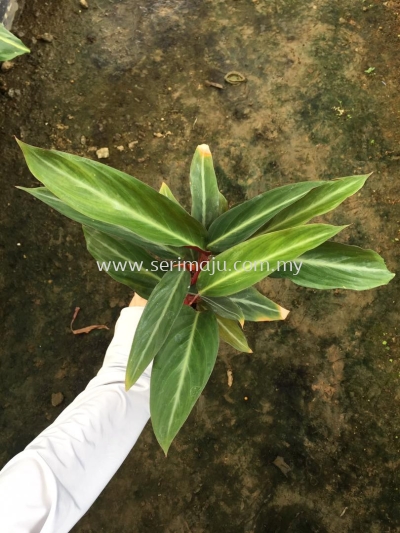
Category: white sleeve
[49,486]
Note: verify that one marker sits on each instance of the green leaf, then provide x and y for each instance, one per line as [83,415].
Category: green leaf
[339,266]
[256,307]
[317,202]
[166,191]
[111,196]
[10,46]
[180,372]
[156,321]
[164,252]
[251,261]
[231,333]
[239,223]
[124,262]
[223,204]
[204,187]
[225,307]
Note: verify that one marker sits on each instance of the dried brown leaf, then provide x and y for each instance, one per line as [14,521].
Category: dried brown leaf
[88,329]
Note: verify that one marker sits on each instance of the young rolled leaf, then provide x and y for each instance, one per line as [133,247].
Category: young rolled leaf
[239,223]
[256,307]
[223,204]
[225,307]
[180,372]
[126,263]
[164,252]
[226,275]
[166,191]
[317,202]
[10,45]
[339,266]
[204,187]
[230,332]
[156,321]
[111,196]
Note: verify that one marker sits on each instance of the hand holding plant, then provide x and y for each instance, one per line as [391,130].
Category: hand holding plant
[198,270]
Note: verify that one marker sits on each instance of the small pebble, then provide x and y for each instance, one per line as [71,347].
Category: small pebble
[120,148]
[7,65]
[83,4]
[83,140]
[46,37]
[14,93]
[57,398]
[132,144]
[103,153]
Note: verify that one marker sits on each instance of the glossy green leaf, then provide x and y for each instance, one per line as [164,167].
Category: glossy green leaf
[164,252]
[156,322]
[124,262]
[339,266]
[251,261]
[180,372]
[256,307]
[111,196]
[231,333]
[240,222]
[223,204]
[10,45]
[204,187]
[166,191]
[225,307]
[317,202]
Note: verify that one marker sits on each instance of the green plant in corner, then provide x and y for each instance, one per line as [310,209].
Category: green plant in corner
[10,46]
[198,270]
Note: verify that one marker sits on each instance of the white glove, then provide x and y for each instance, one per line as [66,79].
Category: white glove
[49,486]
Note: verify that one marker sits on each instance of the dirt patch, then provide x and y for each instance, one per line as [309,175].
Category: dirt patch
[322,387]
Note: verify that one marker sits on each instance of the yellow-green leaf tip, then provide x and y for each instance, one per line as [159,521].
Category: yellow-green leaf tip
[204,150]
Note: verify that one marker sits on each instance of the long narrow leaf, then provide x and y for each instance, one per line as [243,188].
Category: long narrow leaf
[156,322]
[225,307]
[256,307]
[111,196]
[239,223]
[251,261]
[339,266]
[10,46]
[180,372]
[126,263]
[223,204]
[317,202]
[164,252]
[231,333]
[204,187]
[166,191]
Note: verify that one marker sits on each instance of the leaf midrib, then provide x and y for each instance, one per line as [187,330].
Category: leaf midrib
[148,273]
[248,222]
[337,266]
[323,200]
[230,333]
[160,319]
[234,273]
[12,42]
[97,193]
[184,365]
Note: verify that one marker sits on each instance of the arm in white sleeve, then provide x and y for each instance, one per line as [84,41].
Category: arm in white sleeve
[49,486]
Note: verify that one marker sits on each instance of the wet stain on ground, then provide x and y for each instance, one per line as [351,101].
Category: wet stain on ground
[321,389]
